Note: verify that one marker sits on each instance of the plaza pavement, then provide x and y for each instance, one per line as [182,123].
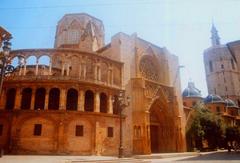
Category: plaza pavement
[211,157]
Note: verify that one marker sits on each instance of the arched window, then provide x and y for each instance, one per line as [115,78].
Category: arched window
[53,102]
[210,66]
[40,99]
[32,60]
[89,101]
[72,99]
[103,103]
[44,60]
[26,98]
[11,94]
[115,105]
[233,65]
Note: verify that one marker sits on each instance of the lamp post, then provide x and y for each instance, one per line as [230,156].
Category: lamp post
[5,66]
[123,102]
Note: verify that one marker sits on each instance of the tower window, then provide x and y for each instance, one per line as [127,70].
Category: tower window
[210,66]
[226,88]
[110,132]
[222,66]
[79,130]
[233,65]
[37,130]
[215,91]
[1,129]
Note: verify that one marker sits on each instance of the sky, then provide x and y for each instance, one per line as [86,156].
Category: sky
[182,26]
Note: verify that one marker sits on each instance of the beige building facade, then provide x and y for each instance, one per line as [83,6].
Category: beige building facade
[65,100]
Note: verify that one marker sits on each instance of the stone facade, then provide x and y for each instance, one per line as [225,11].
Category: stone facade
[222,68]
[64,100]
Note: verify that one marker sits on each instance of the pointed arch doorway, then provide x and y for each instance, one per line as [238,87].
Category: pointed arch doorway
[161,128]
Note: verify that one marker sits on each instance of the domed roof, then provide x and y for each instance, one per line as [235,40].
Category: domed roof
[213,99]
[230,103]
[191,91]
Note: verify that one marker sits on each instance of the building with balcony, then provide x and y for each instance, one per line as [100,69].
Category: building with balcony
[64,100]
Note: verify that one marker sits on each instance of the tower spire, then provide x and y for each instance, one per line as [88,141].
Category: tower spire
[215,38]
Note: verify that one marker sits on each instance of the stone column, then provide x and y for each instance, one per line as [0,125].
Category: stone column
[25,68]
[80,70]
[95,72]
[18,99]
[20,71]
[84,70]
[96,102]
[46,99]
[36,70]
[63,99]
[111,77]
[50,68]
[110,105]
[62,70]
[81,100]
[68,69]
[33,99]
[99,73]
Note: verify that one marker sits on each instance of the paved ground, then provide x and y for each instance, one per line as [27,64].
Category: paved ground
[204,157]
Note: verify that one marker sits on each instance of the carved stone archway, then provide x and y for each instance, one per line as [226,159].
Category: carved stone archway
[161,127]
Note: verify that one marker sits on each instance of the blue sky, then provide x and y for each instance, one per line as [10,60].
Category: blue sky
[183,26]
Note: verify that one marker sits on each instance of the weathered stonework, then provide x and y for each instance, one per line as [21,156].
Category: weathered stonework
[79,86]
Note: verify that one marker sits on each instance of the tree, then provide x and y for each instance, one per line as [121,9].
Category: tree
[204,125]
[232,134]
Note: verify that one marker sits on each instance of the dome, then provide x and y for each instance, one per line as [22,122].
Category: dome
[213,99]
[191,91]
[230,103]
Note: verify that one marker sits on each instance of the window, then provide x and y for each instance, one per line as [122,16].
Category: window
[222,66]
[79,130]
[226,88]
[1,129]
[218,109]
[110,132]
[233,65]
[37,130]
[210,66]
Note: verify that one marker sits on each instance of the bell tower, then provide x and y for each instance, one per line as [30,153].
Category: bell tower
[80,31]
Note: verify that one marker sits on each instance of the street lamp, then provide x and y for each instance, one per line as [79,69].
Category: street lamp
[5,66]
[122,102]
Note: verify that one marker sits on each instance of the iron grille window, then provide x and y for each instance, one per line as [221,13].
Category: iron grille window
[37,130]
[110,132]
[79,130]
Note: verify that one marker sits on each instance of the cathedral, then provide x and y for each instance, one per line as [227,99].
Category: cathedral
[65,100]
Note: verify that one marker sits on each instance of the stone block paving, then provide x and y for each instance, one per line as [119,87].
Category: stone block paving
[211,157]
